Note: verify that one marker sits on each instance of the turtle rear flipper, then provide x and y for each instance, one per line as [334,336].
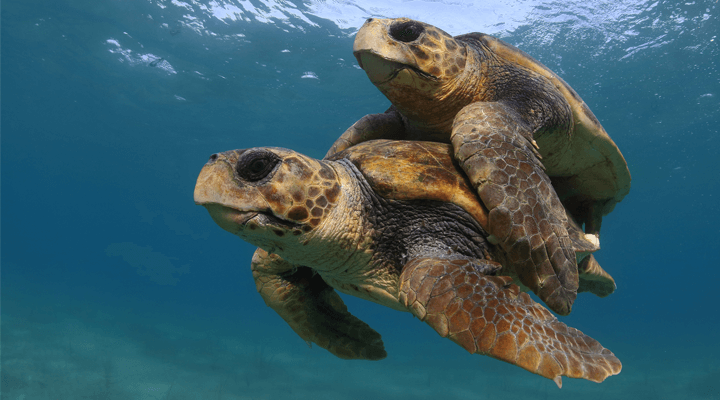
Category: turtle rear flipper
[313,309]
[594,279]
[489,315]
[497,152]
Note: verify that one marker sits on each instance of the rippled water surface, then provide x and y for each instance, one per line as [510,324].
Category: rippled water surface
[116,286]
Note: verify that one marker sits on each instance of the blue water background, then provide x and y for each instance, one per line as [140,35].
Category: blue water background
[116,286]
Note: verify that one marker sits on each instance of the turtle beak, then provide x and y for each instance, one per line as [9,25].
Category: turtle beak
[374,37]
[215,183]
[378,69]
[381,48]
[230,204]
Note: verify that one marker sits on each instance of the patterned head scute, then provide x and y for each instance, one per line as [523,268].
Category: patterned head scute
[270,192]
[418,49]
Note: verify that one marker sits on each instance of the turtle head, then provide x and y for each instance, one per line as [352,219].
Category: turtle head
[406,58]
[269,197]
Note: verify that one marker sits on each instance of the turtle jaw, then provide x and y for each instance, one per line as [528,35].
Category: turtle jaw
[230,219]
[243,223]
[381,70]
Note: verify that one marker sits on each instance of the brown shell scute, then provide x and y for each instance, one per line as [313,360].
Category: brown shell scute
[414,170]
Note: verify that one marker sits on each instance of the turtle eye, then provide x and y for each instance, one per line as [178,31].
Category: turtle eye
[255,165]
[406,31]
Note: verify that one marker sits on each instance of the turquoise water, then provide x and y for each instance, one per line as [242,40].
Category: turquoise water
[116,286]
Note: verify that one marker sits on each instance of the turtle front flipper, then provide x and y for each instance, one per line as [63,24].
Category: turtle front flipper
[496,150]
[489,315]
[313,309]
[387,125]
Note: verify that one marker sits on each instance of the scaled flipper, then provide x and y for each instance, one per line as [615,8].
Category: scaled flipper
[313,309]
[594,279]
[489,315]
[497,152]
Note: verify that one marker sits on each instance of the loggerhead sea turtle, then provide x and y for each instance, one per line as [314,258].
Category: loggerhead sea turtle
[503,112]
[398,224]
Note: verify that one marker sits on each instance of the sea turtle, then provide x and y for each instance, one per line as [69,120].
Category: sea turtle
[503,112]
[398,224]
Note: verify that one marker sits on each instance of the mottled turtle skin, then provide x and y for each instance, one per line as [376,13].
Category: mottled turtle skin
[524,137]
[398,224]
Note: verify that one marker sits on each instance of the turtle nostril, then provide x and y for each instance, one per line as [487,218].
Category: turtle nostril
[213,157]
[406,31]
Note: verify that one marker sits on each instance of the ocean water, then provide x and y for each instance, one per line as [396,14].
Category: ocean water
[115,285]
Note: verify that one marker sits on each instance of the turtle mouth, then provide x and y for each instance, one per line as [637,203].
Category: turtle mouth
[228,218]
[266,218]
[235,221]
[381,70]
